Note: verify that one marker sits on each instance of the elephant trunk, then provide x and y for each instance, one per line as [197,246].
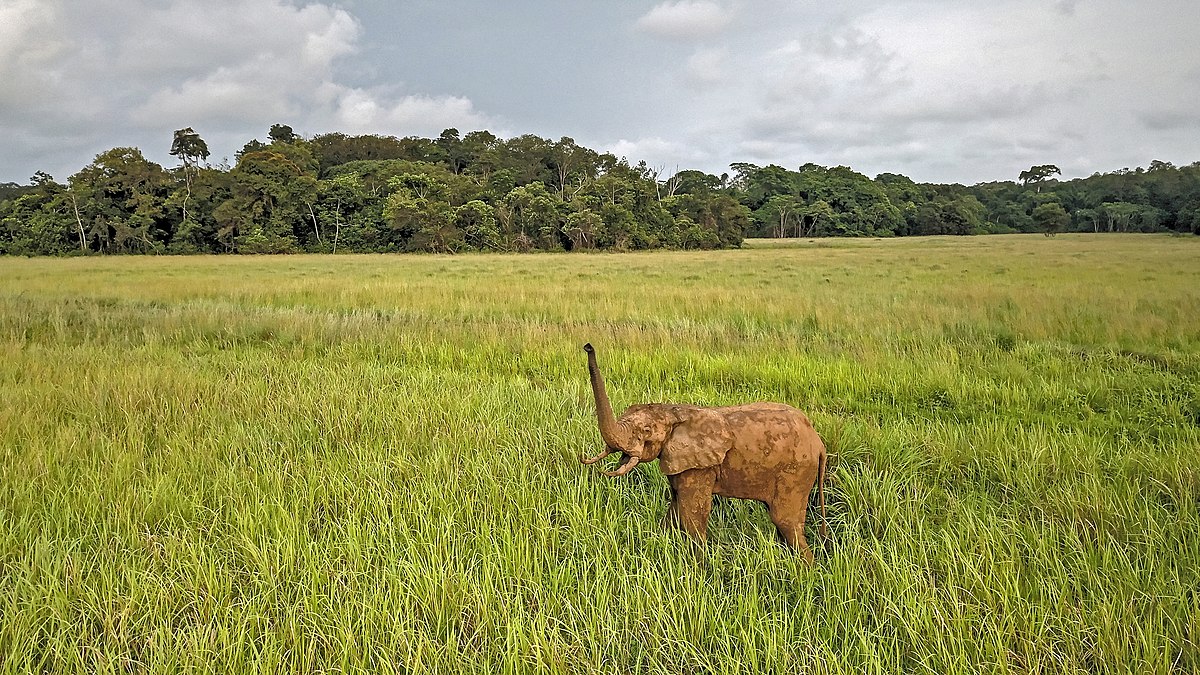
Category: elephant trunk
[609,429]
[626,466]
[592,460]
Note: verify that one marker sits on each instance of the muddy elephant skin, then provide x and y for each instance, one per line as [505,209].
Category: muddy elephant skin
[768,452]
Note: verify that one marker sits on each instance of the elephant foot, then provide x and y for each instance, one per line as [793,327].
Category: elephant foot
[805,551]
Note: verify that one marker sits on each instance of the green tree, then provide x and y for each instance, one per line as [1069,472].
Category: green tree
[816,218]
[882,218]
[699,213]
[118,200]
[482,150]
[1088,217]
[282,133]
[340,201]
[1038,174]
[189,147]
[584,228]
[573,165]
[693,235]
[421,217]
[269,208]
[477,220]
[1189,219]
[756,185]
[38,221]
[1120,216]
[1051,218]
[534,218]
[191,150]
[529,159]
[960,214]
[451,151]
[197,232]
[697,182]
[783,214]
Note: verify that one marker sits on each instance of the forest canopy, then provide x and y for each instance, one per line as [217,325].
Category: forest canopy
[334,192]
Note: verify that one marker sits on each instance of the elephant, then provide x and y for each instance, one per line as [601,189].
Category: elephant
[768,452]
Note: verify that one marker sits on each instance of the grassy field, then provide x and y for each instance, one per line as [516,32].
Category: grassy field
[369,463]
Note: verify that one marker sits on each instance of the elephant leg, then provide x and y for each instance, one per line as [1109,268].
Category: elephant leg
[693,492]
[671,519]
[788,514]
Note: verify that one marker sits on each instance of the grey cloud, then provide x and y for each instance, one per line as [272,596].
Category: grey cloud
[973,103]
[1170,120]
[1067,7]
[1176,108]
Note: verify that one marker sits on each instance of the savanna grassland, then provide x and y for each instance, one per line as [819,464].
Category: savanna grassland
[370,463]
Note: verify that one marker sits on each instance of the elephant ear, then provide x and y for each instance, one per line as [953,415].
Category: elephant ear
[700,440]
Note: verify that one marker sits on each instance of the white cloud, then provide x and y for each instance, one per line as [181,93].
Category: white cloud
[190,37]
[249,91]
[686,19]
[362,111]
[291,76]
[129,73]
[664,155]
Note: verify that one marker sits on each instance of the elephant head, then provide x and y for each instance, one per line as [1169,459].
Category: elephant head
[681,437]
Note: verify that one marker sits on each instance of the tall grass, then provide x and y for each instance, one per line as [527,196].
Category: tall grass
[369,463]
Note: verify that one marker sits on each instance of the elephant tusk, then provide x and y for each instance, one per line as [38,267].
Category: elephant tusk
[597,458]
[625,468]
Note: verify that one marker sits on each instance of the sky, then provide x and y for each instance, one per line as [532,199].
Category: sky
[939,90]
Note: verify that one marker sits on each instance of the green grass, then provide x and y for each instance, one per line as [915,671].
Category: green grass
[369,463]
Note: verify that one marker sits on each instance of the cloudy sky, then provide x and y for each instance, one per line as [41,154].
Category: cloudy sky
[939,90]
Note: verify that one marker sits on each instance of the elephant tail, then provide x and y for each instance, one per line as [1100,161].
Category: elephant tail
[821,462]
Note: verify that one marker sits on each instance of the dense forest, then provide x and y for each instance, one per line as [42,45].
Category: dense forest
[334,192]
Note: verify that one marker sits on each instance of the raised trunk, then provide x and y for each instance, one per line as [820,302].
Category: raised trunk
[604,415]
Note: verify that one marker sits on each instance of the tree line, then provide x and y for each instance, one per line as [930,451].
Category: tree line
[334,192]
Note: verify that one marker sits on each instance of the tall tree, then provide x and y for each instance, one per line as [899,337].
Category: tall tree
[282,133]
[1038,174]
[190,149]
[452,152]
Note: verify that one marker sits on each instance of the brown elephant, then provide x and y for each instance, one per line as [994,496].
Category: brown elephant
[768,452]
